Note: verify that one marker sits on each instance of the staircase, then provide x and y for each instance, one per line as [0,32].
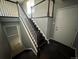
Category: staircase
[41,40]
[53,50]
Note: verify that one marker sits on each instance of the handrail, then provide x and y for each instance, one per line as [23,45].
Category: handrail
[5,12]
[2,10]
[28,35]
[24,12]
[11,1]
[26,26]
[34,25]
[48,13]
[38,3]
[41,2]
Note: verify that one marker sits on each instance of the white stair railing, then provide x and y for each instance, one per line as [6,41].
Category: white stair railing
[8,9]
[26,25]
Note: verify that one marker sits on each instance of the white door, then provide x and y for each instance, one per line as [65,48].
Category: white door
[66,25]
[12,32]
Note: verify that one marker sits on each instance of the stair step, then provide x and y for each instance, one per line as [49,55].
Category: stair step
[42,45]
[41,41]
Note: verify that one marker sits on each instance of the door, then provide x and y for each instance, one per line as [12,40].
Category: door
[12,32]
[66,25]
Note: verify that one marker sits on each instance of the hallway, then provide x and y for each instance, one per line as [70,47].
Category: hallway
[38,29]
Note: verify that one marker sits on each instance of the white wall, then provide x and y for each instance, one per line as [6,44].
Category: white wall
[66,25]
